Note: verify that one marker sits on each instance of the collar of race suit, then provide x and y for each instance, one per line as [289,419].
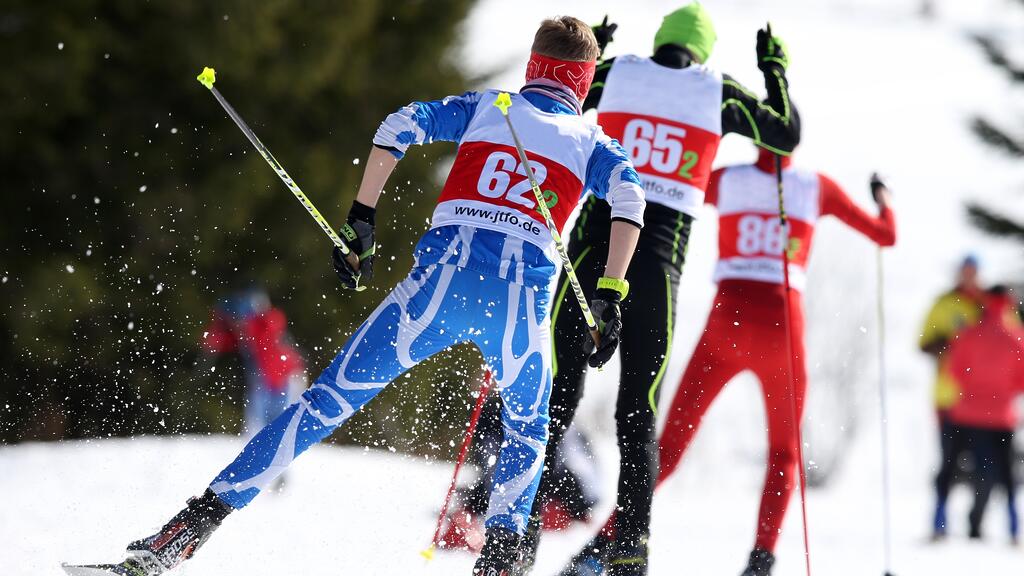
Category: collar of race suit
[672,56]
[766,161]
[550,96]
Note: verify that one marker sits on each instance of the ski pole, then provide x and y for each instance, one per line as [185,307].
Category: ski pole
[485,388]
[884,413]
[787,310]
[207,77]
[503,103]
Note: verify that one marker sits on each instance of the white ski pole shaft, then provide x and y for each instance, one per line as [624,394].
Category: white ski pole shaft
[503,102]
[207,78]
[884,414]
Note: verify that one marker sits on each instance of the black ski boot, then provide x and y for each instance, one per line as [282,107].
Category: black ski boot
[592,560]
[760,563]
[499,555]
[179,539]
[628,559]
[528,548]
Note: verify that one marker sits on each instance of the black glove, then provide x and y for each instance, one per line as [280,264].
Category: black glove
[358,235]
[604,32]
[605,308]
[771,52]
[877,186]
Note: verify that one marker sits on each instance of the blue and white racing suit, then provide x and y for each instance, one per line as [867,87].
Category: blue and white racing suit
[471,282]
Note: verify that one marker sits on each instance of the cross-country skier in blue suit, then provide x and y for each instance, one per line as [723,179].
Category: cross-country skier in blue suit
[483,273]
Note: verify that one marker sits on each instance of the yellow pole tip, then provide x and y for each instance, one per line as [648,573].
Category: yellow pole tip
[503,102]
[428,554]
[207,77]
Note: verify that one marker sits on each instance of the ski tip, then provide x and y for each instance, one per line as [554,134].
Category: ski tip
[207,77]
[503,102]
[428,554]
[91,569]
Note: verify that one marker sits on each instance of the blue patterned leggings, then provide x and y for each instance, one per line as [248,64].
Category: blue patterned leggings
[435,307]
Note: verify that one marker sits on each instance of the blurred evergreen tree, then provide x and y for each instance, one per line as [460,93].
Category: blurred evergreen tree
[998,57]
[131,202]
[997,137]
[994,223]
[993,43]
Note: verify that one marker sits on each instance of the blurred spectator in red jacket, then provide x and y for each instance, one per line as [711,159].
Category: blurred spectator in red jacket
[247,324]
[987,360]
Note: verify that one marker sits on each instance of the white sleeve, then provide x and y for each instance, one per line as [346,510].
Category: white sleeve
[610,175]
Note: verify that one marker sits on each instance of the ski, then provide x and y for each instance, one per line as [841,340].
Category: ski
[122,569]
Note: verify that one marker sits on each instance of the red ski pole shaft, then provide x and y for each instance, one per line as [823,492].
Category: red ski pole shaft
[467,439]
[794,410]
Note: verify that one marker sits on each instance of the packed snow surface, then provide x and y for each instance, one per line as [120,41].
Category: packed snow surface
[350,511]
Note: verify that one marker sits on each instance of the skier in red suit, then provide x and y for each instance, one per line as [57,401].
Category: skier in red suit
[746,327]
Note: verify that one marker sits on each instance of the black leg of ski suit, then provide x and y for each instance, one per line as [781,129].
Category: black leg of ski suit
[646,343]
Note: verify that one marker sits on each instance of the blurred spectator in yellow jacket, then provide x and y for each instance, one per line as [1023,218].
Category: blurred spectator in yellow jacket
[953,311]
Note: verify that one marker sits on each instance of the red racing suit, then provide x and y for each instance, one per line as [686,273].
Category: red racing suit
[746,327]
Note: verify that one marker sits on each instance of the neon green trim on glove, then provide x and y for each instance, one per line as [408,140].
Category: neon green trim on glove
[620,286]
[349,233]
[782,57]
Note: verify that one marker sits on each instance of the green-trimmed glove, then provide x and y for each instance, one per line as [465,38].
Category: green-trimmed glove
[358,235]
[605,307]
[604,32]
[771,51]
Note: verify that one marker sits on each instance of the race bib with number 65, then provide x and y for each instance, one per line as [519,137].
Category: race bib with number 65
[663,148]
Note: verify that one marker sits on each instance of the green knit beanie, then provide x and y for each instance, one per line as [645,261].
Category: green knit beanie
[689,27]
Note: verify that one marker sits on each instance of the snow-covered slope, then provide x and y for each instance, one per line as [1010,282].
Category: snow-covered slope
[349,511]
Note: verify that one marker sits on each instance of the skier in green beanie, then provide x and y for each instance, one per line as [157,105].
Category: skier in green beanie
[669,111]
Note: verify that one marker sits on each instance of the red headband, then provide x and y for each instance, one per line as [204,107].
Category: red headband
[576,76]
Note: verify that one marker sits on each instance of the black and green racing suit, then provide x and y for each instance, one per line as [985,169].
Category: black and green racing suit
[650,308]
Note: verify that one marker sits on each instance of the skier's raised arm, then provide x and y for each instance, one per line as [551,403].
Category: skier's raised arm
[417,123]
[834,201]
[604,33]
[773,123]
[425,122]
